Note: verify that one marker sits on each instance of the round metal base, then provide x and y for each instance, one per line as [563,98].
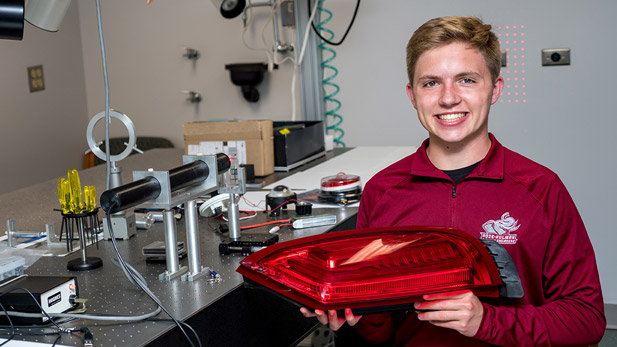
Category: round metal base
[79,265]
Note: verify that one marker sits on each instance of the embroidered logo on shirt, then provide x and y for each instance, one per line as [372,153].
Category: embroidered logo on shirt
[501,230]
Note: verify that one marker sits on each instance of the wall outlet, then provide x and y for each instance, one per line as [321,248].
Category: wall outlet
[35,78]
[555,56]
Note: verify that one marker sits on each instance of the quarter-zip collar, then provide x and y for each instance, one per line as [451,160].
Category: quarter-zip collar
[491,167]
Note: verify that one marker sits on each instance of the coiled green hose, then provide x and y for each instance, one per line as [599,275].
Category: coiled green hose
[331,114]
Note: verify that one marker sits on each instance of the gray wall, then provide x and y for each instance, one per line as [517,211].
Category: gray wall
[566,122]
[41,135]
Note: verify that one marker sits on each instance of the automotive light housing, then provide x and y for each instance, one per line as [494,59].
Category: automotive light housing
[374,269]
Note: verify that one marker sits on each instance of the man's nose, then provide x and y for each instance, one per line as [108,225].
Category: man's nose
[449,96]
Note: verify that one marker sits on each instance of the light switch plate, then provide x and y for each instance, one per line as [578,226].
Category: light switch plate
[555,56]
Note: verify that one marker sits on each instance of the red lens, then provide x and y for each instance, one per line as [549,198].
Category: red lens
[374,267]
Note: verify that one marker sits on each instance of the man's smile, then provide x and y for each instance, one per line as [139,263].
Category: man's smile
[451,117]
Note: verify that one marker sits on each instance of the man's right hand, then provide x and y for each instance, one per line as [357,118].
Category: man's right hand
[331,317]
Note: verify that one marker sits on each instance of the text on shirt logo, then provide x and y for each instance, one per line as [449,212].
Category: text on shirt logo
[501,230]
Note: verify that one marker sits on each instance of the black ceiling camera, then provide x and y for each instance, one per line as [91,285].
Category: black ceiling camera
[248,76]
[280,197]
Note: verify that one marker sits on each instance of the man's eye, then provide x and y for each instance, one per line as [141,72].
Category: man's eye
[430,84]
[467,81]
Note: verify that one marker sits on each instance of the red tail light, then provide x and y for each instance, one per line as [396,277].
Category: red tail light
[374,267]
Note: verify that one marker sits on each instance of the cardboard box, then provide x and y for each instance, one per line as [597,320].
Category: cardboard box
[257,135]
[296,143]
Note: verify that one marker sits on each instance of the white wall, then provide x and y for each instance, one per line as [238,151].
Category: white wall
[147,70]
[42,133]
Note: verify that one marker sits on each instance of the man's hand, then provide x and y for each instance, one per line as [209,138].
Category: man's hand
[461,311]
[331,318]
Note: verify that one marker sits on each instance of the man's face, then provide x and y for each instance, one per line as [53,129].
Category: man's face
[452,92]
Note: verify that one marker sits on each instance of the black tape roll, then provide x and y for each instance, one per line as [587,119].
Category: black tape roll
[129,195]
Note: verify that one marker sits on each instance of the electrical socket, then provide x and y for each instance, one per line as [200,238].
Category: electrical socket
[35,78]
[555,56]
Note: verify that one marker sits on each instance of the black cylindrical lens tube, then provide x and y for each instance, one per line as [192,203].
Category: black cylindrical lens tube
[190,174]
[222,162]
[129,195]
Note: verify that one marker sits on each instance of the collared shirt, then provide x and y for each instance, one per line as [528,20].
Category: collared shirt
[523,206]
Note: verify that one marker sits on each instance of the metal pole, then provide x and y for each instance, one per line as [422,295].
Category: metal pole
[171,245]
[192,237]
[233,217]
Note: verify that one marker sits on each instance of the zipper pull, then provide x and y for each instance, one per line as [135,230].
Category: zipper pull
[453,192]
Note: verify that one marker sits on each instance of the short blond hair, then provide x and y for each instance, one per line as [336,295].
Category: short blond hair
[441,31]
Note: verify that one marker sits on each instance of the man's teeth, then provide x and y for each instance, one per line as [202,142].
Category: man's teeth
[451,117]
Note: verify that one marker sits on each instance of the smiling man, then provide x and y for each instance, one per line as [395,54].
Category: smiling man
[462,177]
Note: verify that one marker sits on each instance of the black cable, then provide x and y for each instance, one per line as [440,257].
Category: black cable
[10,322]
[154,319]
[56,340]
[355,12]
[141,285]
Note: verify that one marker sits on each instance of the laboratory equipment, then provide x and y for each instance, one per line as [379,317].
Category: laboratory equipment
[234,185]
[340,189]
[123,223]
[248,76]
[166,190]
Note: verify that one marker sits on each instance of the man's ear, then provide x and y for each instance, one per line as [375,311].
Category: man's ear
[497,88]
[411,96]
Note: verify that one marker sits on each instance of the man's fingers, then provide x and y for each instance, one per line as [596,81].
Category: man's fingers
[331,318]
[350,318]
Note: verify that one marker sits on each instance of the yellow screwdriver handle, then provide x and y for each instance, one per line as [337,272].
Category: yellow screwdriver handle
[64,195]
[90,198]
[76,204]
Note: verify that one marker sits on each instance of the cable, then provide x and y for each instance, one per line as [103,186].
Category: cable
[355,12]
[266,223]
[143,286]
[107,117]
[254,205]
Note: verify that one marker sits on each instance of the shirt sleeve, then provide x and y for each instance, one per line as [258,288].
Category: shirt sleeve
[574,310]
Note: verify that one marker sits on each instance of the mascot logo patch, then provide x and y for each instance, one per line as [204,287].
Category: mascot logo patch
[501,230]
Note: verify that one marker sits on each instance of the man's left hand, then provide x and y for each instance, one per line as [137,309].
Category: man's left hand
[461,311]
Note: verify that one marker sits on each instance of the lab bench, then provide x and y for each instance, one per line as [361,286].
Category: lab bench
[223,313]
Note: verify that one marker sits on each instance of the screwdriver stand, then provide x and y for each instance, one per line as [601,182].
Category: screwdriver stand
[86,224]
[167,200]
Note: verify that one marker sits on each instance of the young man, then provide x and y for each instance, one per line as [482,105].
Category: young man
[463,177]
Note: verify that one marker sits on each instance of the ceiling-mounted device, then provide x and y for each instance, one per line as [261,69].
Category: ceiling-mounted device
[381,269]
[248,76]
[230,8]
[44,14]
[12,20]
